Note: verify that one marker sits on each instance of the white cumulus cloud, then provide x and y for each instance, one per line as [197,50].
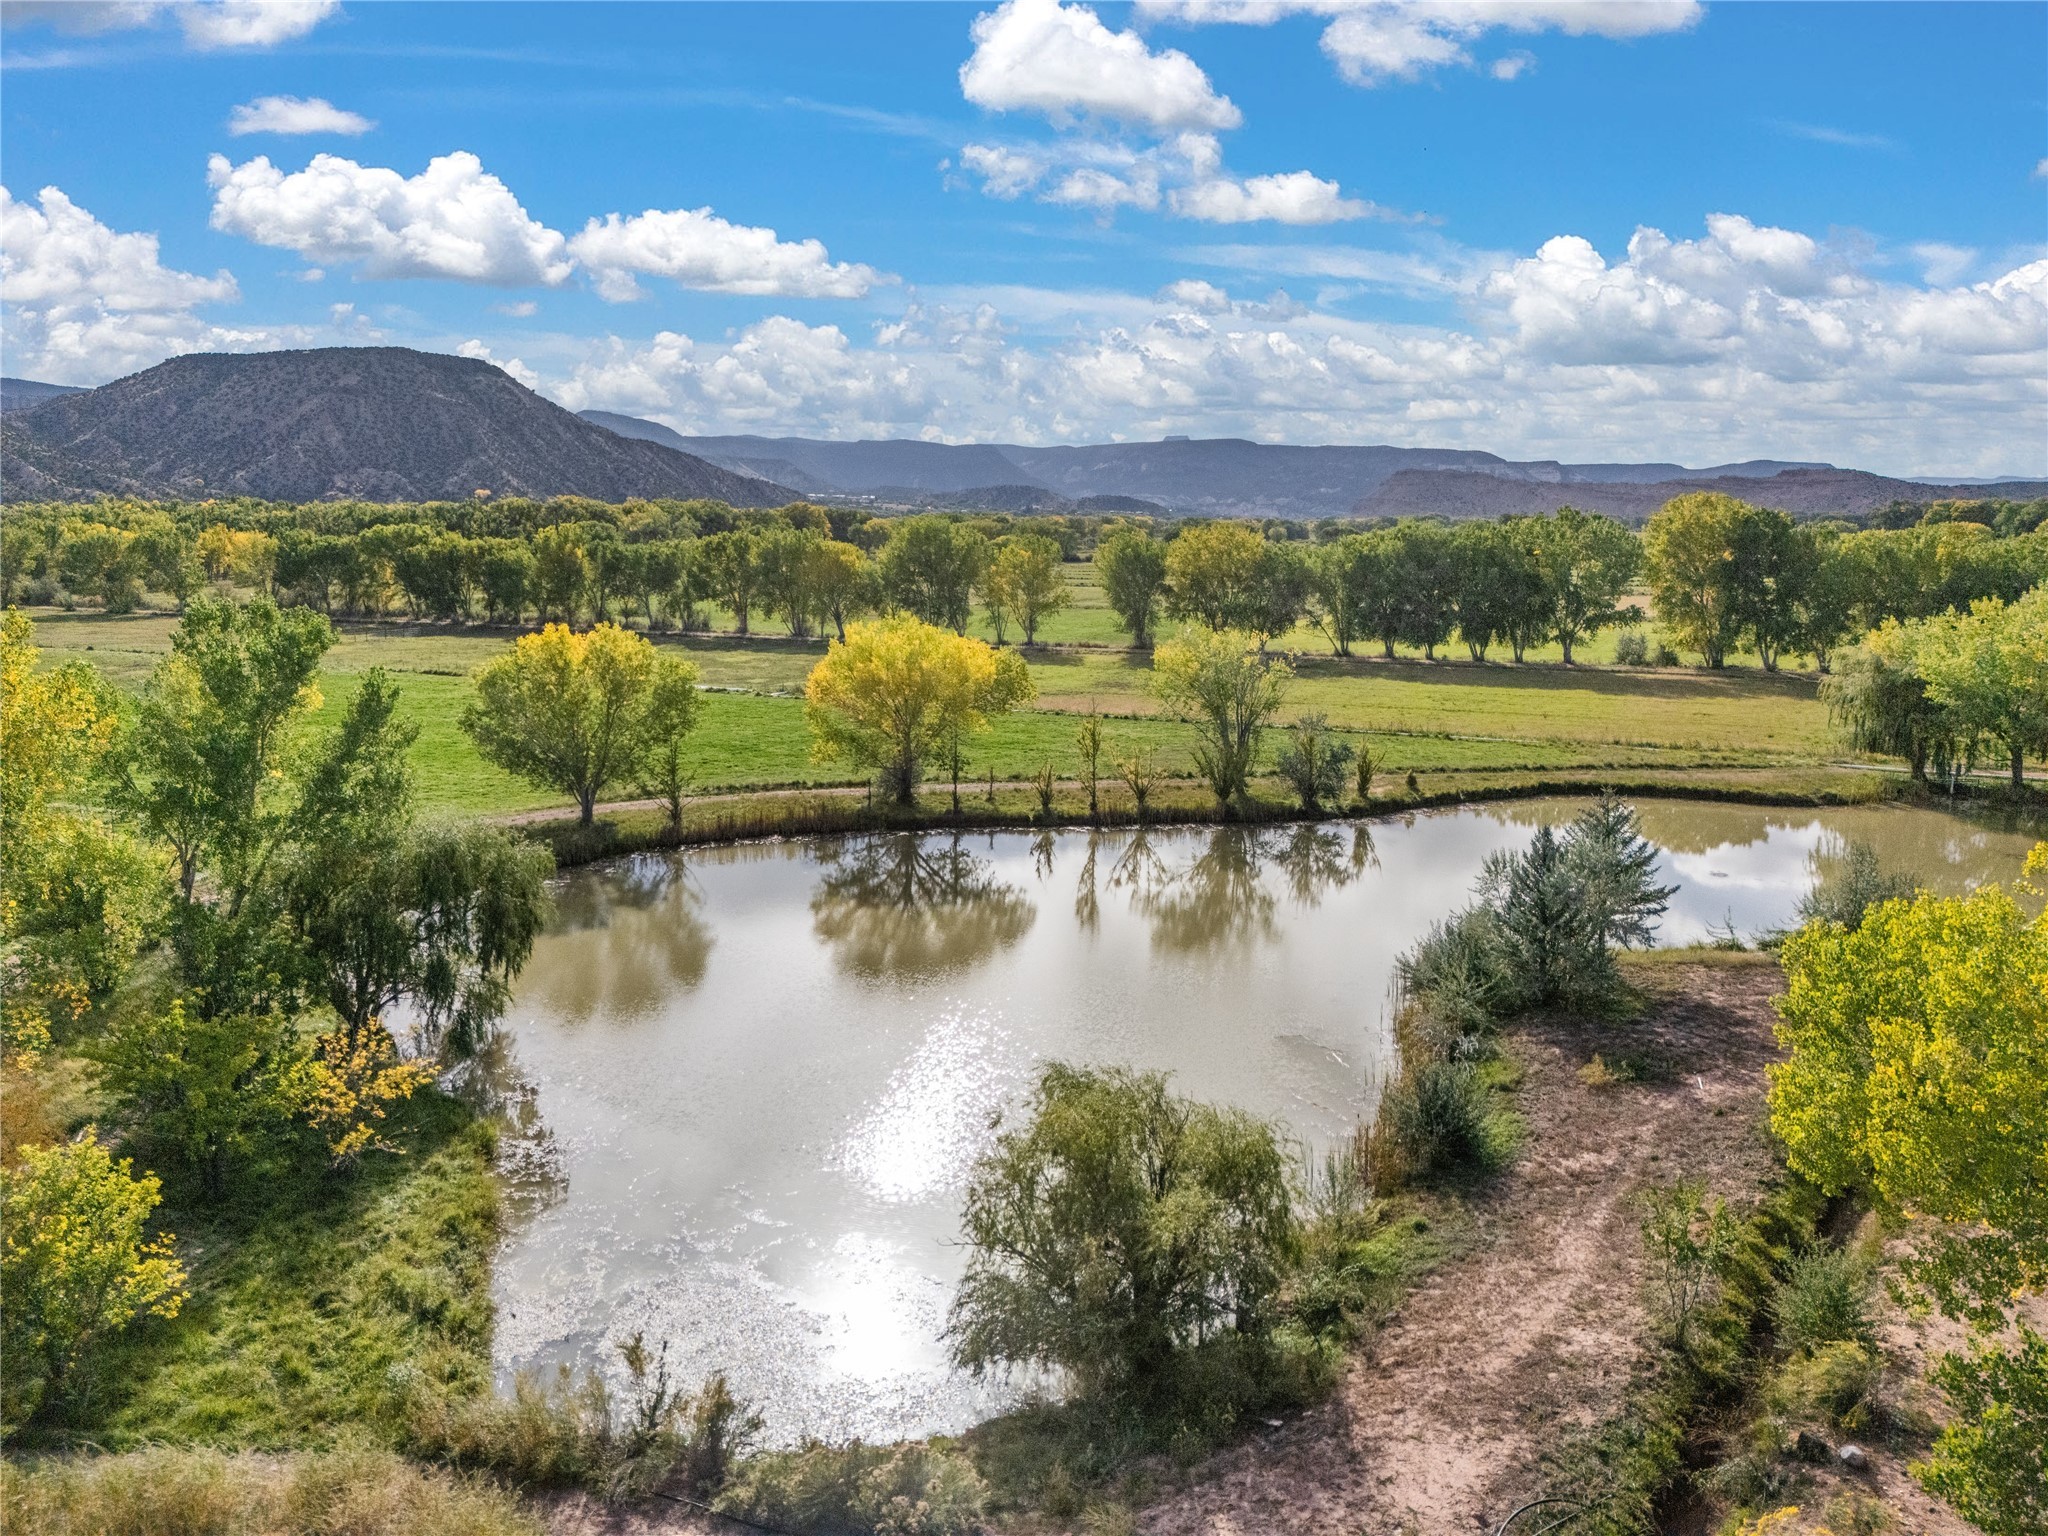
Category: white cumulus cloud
[251,23]
[295,114]
[452,220]
[207,24]
[1060,60]
[697,249]
[1743,340]
[1375,41]
[512,365]
[81,303]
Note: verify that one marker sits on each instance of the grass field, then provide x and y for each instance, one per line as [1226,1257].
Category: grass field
[1424,717]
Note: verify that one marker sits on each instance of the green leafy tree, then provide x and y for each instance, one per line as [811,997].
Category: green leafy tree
[505,572]
[1025,580]
[931,567]
[1690,558]
[673,710]
[76,1264]
[842,581]
[1213,576]
[898,692]
[1340,575]
[1120,1232]
[1988,671]
[437,917]
[576,712]
[1991,1463]
[1586,562]
[784,569]
[1490,575]
[202,767]
[99,560]
[1224,683]
[1426,570]
[560,573]
[209,1089]
[1878,702]
[1131,565]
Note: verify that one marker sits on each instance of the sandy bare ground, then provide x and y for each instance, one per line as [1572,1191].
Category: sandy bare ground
[1439,1424]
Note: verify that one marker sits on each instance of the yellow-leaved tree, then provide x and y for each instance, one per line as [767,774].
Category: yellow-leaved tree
[75,896]
[1223,682]
[1918,1073]
[575,713]
[898,691]
[76,1264]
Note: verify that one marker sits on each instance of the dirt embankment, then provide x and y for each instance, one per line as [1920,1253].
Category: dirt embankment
[1440,1423]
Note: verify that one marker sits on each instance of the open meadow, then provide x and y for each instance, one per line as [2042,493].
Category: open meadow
[1450,715]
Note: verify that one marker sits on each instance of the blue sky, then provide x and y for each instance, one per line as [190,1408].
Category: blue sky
[1644,228]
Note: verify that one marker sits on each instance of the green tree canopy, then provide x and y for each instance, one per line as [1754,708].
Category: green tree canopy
[1230,689]
[1120,1230]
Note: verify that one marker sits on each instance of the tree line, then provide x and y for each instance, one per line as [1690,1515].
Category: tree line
[1720,574]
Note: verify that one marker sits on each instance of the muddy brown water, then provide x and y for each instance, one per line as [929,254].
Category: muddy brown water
[747,1085]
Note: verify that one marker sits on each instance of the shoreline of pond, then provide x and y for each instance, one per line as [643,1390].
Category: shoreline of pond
[754,816]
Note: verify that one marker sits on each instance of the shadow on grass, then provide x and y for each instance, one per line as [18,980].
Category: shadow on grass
[318,1300]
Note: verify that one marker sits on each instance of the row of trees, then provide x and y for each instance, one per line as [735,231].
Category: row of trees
[222,942]
[1721,575]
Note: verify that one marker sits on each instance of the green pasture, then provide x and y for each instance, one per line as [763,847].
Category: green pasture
[1423,717]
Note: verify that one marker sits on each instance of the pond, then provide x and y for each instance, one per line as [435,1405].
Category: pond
[748,1084]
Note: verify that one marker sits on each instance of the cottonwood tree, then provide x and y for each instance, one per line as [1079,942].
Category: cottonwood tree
[1026,582]
[577,712]
[1230,689]
[1918,1046]
[898,691]
[1586,562]
[1213,573]
[1988,670]
[1689,551]
[1131,565]
[931,567]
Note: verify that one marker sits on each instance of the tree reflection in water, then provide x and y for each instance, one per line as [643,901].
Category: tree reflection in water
[622,943]
[528,1161]
[1219,898]
[901,904]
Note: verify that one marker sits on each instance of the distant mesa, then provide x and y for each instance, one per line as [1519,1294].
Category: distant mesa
[20,394]
[347,423]
[392,424]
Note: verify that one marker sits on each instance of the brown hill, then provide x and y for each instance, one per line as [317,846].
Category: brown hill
[347,423]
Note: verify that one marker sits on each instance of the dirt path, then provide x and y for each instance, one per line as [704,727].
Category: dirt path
[1439,1424]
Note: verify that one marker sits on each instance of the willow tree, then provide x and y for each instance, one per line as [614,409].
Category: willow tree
[898,691]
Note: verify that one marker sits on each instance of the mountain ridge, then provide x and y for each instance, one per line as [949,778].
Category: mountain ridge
[355,423]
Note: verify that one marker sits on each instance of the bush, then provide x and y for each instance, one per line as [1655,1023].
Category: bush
[1991,1463]
[1441,1116]
[860,1490]
[1834,1383]
[1313,762]
[1631,648]
[1119,1231]
[1459,971]
[1824,1298]
[572,1433]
